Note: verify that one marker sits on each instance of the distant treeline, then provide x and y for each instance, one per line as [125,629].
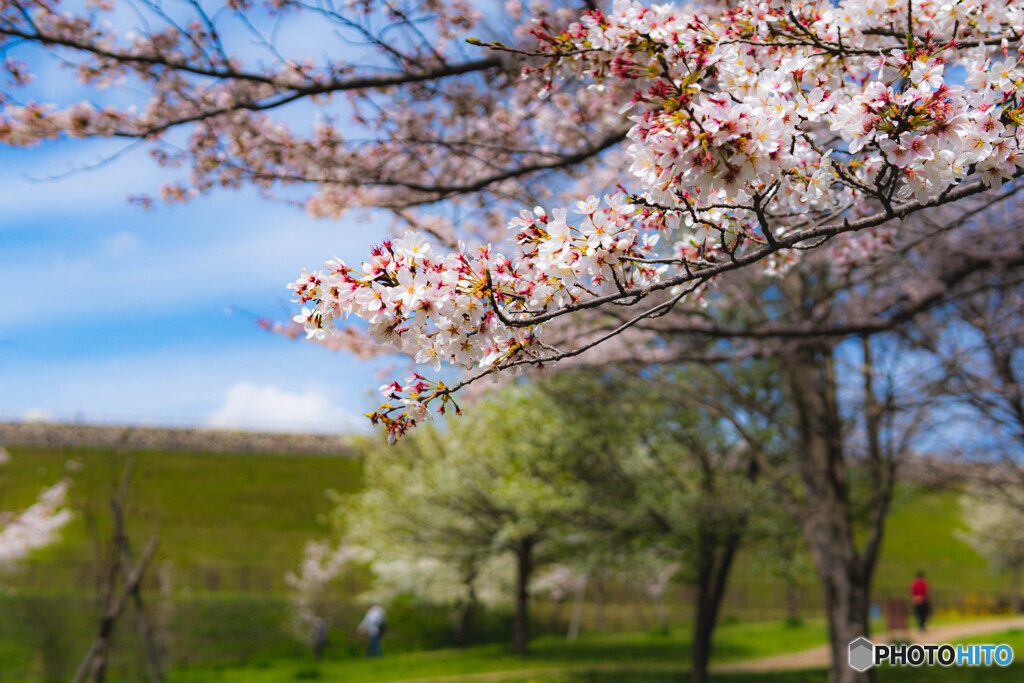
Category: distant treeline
[47,434]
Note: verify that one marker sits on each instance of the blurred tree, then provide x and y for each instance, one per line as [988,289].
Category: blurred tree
[782,554]
[322,565]
[975,345]
[36,526]
[492,482]
[666,483]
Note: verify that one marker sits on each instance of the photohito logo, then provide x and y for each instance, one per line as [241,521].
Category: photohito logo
[864,654]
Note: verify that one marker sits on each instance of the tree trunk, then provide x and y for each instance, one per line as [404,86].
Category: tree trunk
[637,598]
[827,527]
[577,610]
[524,567]
[465,611]
[825,512]
[792,600]
[661,611]
[847,604]
[463,623]
[712,575]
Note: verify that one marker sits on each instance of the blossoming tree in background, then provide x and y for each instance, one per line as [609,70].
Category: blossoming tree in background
[310,600]
[34,527]
[496,484]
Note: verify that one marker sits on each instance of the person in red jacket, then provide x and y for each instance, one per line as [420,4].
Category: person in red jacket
[919,595]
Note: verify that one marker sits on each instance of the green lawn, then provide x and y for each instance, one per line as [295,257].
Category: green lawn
[642,658]
[550,656]
[919,535]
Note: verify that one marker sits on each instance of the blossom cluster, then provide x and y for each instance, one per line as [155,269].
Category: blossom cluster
[478,308]
[749,104]
[439,581]
[751,127]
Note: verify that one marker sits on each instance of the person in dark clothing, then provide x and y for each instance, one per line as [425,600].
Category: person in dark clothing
[919,595]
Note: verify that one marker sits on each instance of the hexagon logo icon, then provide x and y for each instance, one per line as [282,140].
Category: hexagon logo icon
[862,654]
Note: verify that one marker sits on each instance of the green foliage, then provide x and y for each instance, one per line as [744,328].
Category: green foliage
[468,490]
[668,478]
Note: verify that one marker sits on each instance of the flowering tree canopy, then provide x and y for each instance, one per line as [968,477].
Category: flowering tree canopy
[756,132]
[739,135]
[402,114]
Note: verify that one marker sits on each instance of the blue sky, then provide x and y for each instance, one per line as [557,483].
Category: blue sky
[114,314]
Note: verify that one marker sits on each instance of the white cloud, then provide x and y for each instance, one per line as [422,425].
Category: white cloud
[181,383]
[36,415]
[267,408]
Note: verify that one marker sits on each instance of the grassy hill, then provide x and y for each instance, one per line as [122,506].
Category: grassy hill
[227,510]
[920,535]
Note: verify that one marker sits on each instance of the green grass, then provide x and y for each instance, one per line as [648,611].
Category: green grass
[213,509]
[549,654]
[643,658]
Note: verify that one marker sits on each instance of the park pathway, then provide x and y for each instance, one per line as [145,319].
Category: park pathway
[815,658]
[819,657]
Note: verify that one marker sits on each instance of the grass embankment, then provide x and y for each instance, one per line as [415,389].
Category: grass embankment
[920,534]
[258,510]
[213,510]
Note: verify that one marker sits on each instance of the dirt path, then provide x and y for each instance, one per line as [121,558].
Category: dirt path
[819,657]
[815,658]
